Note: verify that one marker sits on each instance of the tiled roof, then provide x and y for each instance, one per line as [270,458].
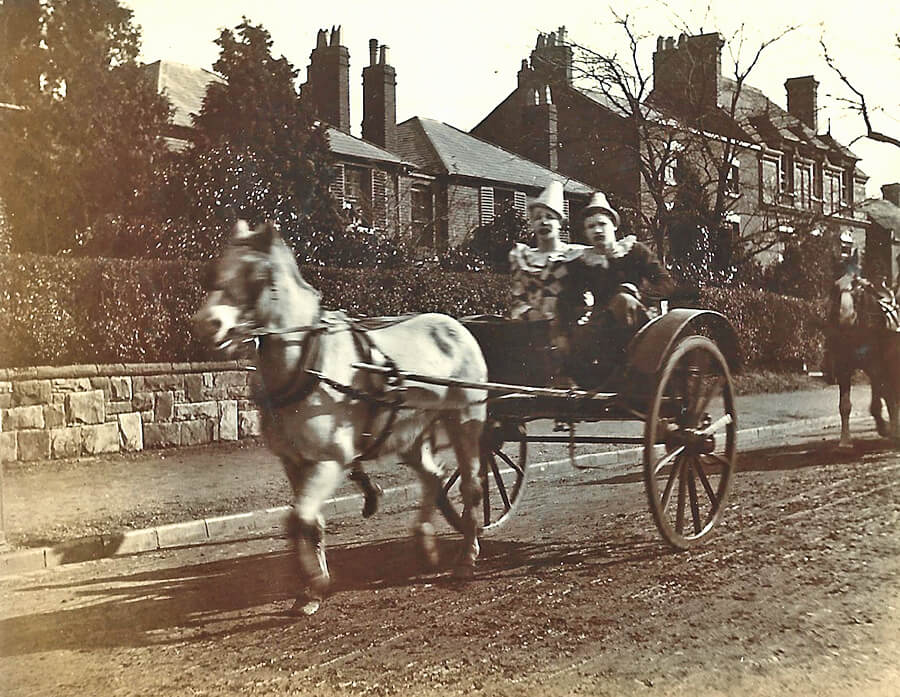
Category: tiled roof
[344,144]
[434,145]
[885,213]
[184,85]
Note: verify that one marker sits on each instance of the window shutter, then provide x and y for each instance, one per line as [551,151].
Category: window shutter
[520,203]
[337,186]
[486,205]
[379,198]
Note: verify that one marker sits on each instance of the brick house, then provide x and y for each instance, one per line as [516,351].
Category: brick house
[471,179]
[783,172]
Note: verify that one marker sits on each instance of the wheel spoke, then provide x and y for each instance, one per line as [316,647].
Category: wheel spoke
[715,385]
[486,494]
[509,461]
[724,420]
[667,459]
[682,487]
[501,487]
[451,482]
[667,492]
[704,480]
[692,492]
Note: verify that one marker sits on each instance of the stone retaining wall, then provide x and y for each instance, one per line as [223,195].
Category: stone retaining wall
[72,411]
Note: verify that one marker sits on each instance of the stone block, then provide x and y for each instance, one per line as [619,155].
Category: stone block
[71,385]
[22,561]
[131,432]
[86,407]
[157,383]
[120,388]
[65,442]
[198,410]
[54,416]
[23,417]
[34,445]
[248,423]
[198,432]
[231,378]
[164,407]
[115,408]
[9,450]
[102,383]
[230,525]
[228,420]
[5,387]
[162,435]
[6,400]
[195,387]
[29,392]
[100,439]
[58,398]
[142,401]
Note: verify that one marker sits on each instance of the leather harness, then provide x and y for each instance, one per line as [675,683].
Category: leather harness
[381,392]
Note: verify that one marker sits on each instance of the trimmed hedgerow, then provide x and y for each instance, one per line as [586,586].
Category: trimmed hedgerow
[61,311]
[774,331]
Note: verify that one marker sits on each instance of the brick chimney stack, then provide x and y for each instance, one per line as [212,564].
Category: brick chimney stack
[328,80]
[802,99]
[891,192]
[686,75]
[379,124]
[551,58]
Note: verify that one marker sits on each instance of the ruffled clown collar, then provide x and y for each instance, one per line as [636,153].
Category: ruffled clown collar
[592,257]
[521,256]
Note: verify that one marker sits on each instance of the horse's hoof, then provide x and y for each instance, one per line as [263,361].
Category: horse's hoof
[304,606]
[373,496]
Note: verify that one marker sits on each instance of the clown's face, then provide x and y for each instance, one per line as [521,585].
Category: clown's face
[600,231]
[544,223]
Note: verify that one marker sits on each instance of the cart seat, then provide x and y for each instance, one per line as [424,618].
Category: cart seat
[517,351]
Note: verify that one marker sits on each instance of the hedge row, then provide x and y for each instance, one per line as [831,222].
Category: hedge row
[61,311]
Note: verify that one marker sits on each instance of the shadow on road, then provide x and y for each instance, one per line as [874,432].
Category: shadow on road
[783,458]
[199,602]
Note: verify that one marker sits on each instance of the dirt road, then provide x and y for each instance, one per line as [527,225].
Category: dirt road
[797,593]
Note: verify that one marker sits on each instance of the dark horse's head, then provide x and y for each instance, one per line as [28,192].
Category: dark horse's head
[856,302]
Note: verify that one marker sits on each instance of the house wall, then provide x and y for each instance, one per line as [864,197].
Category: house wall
[84,410]
[461,212]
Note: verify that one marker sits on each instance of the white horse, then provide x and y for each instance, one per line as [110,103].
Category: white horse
[319,423]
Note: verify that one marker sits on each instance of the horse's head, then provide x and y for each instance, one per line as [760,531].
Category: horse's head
[255,284]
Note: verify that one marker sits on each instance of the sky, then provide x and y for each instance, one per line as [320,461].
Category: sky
[457,60]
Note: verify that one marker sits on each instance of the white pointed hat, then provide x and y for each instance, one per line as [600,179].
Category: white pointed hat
[597,204]
[550,198]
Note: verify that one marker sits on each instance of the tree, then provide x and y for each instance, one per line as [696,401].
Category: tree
[857,103]
[20,44]
[259,155]
[673,128]
[88,143]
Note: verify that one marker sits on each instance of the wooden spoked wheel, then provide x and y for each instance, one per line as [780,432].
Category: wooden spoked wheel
[503,472]
[690,442]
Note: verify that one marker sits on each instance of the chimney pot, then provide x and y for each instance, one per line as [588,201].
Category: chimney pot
[659,43]
[336,35]
[373,50]
[670,43]
[383,55]
[321,41]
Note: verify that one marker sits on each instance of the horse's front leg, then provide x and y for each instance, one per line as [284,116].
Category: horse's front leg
[875,406]
[313,485]
[466,438]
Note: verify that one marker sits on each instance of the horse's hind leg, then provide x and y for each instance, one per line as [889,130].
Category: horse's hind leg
[313,484]
[371,491]
[421,458]
[465,438]
[875,405]
[844,406]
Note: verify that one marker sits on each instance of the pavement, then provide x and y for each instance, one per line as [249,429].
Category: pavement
[64,512]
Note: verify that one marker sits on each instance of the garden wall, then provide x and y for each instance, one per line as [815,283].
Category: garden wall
[54,412]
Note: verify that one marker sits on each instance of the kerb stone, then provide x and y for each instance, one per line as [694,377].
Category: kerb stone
[131,432]
[86,407]
[100,439]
